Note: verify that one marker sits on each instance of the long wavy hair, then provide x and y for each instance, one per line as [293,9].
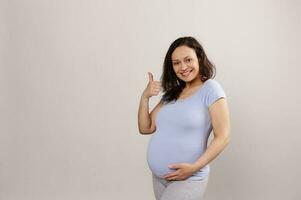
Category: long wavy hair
[171,85]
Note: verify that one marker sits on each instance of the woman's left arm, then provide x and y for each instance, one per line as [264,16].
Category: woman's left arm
[220,119]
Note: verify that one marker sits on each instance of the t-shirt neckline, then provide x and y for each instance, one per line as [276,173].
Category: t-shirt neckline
[200,88]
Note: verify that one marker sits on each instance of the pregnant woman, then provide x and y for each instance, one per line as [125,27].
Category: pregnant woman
[193,104]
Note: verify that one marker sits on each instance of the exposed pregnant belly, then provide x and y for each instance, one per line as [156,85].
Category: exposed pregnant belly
[163,150]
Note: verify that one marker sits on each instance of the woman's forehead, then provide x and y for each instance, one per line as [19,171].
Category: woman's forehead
[182,53]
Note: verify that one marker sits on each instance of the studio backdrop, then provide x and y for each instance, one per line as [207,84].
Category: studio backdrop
[72,73]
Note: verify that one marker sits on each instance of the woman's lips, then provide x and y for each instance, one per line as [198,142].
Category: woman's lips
[187,73]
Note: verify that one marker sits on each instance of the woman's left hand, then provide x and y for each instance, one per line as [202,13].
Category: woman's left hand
[184,170]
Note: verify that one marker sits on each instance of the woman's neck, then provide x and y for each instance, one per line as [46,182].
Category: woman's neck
[193,83]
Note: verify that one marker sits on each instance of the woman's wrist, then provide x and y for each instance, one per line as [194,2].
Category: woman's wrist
[144,97]
[197,166]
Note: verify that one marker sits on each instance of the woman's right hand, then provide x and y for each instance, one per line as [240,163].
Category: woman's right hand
[153,87]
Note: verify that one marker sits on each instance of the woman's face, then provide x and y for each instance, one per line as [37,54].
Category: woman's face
[185,63]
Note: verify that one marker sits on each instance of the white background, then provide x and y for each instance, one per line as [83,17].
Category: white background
[72,73]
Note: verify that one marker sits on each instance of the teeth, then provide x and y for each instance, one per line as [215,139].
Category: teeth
[186,73]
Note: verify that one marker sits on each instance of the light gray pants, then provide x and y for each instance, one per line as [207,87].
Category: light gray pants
[179,190]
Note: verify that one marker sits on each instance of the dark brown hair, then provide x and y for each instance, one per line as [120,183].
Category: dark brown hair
[172,86]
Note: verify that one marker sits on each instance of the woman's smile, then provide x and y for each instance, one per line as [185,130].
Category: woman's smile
[187,73]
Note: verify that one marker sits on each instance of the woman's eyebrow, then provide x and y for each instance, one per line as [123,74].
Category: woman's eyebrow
[177,59]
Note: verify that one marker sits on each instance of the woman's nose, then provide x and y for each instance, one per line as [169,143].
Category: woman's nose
[183,66]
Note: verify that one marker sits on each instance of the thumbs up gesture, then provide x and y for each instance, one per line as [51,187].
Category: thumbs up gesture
[153,87]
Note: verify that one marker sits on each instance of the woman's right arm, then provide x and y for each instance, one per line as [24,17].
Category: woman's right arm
[146,120]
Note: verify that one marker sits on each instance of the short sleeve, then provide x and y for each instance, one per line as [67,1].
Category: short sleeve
[214,92]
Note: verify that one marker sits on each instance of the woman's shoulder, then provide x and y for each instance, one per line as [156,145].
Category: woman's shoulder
[214,91]
[212,84]
[212,81]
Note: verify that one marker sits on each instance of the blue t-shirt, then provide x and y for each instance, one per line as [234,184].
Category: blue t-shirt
[182,131]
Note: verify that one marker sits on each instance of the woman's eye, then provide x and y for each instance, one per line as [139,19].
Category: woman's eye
[175,63]
[188,60]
